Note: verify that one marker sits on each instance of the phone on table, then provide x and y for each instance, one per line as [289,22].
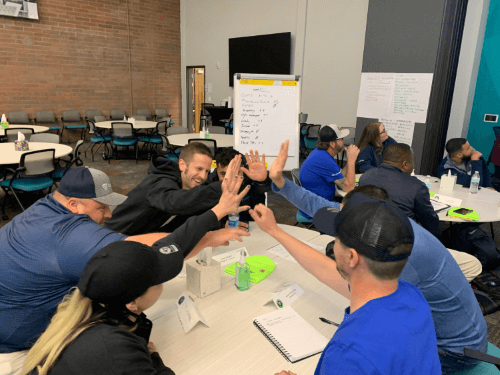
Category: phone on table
[463,211]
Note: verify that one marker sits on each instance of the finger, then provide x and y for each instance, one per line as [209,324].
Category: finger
[252,156]
[243,208]
[225,243]
[255,215]
[247,157]
[257,160]
[244,192]
[236,184]
[263,160]
[242,224]
[245,171]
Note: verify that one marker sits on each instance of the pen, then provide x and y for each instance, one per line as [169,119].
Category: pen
[328,321]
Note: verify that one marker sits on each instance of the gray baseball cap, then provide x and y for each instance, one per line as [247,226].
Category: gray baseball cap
[90,183]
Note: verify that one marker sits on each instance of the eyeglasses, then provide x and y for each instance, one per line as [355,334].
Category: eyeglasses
[383,131]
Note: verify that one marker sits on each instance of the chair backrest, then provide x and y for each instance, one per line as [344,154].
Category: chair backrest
[313,131]
[203,105]
[71,116]
[162,126]
[92,126]
[100,118]
[45,117]
[296,176]
[176,130]
[18,117]
[210,143]
[160,112]
[91,113]
[304,126]
[122,130]
[117,114]
[145,111]
[216,130]
[45,137]
[350,139]
[140,117]
[11,134]
[38,162]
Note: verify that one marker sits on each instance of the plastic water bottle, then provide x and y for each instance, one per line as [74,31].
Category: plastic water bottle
[233,220]
[428,182]
[474,183]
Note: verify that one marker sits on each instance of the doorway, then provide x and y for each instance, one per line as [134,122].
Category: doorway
[196,96]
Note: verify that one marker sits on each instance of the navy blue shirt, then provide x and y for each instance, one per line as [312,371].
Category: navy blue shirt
[369,158]
[407,192]
[43,251]
[465,171]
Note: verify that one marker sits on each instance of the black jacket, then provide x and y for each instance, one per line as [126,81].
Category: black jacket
[407,192]
[159,197]
[106,349]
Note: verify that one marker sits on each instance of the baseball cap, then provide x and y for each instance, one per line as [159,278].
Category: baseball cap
[89,183]
[124,270]
[332,132]
[371,226]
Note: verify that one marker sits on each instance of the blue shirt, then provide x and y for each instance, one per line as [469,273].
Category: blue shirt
[43,251]
[388,335]
[318,173]
[369,158]
[457,316]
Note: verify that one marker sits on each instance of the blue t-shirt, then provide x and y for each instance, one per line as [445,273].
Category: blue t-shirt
[318,173]
[43,251]
[386,336]
[457,316]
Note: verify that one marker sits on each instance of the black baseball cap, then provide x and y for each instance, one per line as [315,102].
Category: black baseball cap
[89,183]
[332,132]
[368,225]
[124,270]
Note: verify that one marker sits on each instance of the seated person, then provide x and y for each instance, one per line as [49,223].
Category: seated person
[407,192]
[374,140]
[101,328]
[171,193]
[258,189]
[388,327]
[320,173]
[463,161]
[431,267]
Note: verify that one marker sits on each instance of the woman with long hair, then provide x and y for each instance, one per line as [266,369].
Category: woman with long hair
[372,144]
[100,328]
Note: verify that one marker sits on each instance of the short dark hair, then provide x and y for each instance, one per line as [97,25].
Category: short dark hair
[193,148]
[224,157]
[398,153]
[455,145]
[370,190]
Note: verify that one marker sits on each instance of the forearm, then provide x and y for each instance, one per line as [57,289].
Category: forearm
[314,262]
[349,173]
[147,239]
[188,202]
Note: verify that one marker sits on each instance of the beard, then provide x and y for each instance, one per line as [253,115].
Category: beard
[466,158]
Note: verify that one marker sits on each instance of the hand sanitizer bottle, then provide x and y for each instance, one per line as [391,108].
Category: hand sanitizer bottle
[474,183]
[242,273]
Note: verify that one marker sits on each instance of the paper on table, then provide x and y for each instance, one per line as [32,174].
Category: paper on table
[439,206]
[285,294]
[229,257]
[280,251]
[188,312]
[452,202]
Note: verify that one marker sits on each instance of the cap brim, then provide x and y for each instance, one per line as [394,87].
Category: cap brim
[113,199]
[324,220]
[343,133]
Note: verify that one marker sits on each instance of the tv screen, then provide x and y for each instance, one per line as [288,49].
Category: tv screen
[262,54]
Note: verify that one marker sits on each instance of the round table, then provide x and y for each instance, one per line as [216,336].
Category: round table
[223,140]
[485,202]
[137,125]
[36,128]
[8,155]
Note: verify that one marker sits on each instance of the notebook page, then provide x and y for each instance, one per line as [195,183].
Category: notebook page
[292,332]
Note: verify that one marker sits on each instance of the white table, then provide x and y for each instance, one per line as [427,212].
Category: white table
[223,140]
[36,128]
[8,154]
[485,202]
[137,125]
[231,344]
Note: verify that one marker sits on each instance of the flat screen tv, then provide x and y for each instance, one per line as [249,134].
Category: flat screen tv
[262,54]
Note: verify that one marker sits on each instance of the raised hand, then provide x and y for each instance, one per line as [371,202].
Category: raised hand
[476,155]
[276,170]
[257,170]
[264,218]
[221,237]
[352,152]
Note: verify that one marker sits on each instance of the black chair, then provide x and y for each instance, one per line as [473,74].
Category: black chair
[204,105]
[72,116]
[311,138]
[303,132]
[11,134]
[159,136]
[210,143]
[123,135]
[33,174]
[18,117]
[47,118]
[74,159]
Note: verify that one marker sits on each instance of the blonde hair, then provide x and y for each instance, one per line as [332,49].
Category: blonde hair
[73,316]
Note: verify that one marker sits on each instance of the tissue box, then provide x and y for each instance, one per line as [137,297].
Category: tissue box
[203,280]
[448,182]
[21,145]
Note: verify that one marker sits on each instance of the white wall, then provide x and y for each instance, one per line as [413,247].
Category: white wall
[468,66]
[327,47]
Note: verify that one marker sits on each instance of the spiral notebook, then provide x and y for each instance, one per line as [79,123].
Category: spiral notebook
[291,334]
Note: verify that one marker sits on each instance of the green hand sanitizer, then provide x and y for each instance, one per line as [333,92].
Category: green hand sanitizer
[242,273]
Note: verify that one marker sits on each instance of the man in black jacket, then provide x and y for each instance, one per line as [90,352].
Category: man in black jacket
[172,192]
[407,192]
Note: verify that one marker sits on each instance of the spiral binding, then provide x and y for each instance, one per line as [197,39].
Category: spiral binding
[273,341]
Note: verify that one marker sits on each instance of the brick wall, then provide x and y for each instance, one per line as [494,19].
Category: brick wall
[78,54]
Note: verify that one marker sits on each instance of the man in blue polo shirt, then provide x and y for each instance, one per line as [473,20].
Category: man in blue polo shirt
[320,173]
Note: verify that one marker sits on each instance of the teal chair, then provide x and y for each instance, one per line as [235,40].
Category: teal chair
[47,118]
[159,137]
[74,158]
[72,116]
[99,139]
[33,174]
[301,219]
[123,135]
[483,368]
[311,138]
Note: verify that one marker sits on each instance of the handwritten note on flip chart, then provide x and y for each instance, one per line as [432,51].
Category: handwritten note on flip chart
[400,130]
[375,94]
[267,112]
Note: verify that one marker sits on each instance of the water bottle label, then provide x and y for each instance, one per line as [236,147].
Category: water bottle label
[233,223]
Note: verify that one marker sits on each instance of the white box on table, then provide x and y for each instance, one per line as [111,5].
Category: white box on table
[202,280]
